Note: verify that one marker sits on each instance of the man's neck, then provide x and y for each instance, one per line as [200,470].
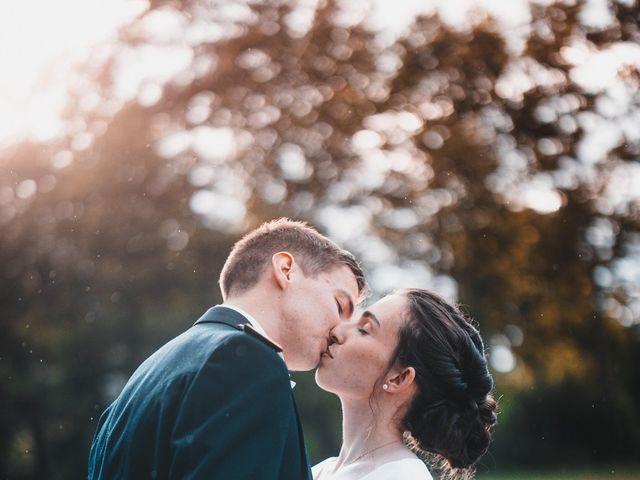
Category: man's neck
[255,308]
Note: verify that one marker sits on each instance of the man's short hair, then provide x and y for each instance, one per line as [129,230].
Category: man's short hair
[314,253]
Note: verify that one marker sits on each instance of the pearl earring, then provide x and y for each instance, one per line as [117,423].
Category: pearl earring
[385,387]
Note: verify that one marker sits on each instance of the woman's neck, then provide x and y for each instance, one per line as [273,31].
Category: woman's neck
[366,430]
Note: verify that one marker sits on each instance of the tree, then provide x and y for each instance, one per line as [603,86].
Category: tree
[428,156]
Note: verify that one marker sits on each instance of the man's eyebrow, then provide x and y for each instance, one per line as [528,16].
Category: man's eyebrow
[349,301]
[370,315]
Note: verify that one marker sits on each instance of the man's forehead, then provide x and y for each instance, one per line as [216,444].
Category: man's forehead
[343,278]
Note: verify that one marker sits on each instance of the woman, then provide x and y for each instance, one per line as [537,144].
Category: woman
[411,370]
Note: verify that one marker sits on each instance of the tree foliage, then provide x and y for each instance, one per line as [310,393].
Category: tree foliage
[421,154]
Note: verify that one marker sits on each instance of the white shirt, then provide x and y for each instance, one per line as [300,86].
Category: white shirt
[258,328]
[403,469]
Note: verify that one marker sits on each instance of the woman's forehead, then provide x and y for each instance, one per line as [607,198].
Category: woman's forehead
[389,308]
[391,302]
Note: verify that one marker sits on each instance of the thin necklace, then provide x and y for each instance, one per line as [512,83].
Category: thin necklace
[369,452]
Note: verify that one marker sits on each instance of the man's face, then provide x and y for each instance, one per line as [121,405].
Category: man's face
[313,306]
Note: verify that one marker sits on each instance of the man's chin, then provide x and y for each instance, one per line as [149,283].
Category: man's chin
[324,358]
[304,366]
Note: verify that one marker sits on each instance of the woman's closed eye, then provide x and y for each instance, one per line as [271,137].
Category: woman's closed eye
[363,327]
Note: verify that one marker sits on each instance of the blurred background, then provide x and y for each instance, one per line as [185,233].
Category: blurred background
[488,150]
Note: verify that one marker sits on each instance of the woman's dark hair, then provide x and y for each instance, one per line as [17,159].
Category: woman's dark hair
[453,411]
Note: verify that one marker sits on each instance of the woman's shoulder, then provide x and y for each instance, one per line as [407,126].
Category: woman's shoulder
[321,467]
[406,468]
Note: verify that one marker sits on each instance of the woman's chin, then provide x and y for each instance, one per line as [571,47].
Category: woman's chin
[321,379]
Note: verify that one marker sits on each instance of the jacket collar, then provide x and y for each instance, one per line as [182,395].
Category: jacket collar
[233,318]
[220,314]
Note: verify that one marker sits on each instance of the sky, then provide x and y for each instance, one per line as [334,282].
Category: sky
[40,41]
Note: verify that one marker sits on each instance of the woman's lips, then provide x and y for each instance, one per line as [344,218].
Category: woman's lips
[327,353]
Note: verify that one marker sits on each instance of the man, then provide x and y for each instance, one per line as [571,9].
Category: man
[216,402]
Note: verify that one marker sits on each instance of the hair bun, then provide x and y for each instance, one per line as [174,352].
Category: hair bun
[460,433]
[476,375]
[453,412]
[473,406]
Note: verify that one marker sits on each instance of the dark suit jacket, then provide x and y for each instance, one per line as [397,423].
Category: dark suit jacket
[213,403]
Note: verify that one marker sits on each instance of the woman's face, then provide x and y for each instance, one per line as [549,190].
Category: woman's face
[362,350]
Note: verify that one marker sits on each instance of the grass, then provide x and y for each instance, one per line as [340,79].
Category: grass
[577,475]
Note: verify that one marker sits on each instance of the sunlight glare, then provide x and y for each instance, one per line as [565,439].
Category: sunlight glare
[542,199]
[39,43]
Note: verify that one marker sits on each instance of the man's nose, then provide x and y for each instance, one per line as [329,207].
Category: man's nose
[338,333]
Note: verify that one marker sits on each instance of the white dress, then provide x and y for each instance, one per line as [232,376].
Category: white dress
[404,469]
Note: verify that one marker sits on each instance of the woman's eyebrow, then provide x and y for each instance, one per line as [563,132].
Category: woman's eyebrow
[371,316]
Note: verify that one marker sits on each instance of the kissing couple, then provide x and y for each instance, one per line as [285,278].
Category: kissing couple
[216,402]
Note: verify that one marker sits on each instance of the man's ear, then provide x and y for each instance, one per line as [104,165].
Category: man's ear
[282,264]
[401,380]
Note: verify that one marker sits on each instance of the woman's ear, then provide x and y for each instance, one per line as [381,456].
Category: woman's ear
[401,380]
[282,264]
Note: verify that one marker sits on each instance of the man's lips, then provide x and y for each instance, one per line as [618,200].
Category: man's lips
[327,352]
